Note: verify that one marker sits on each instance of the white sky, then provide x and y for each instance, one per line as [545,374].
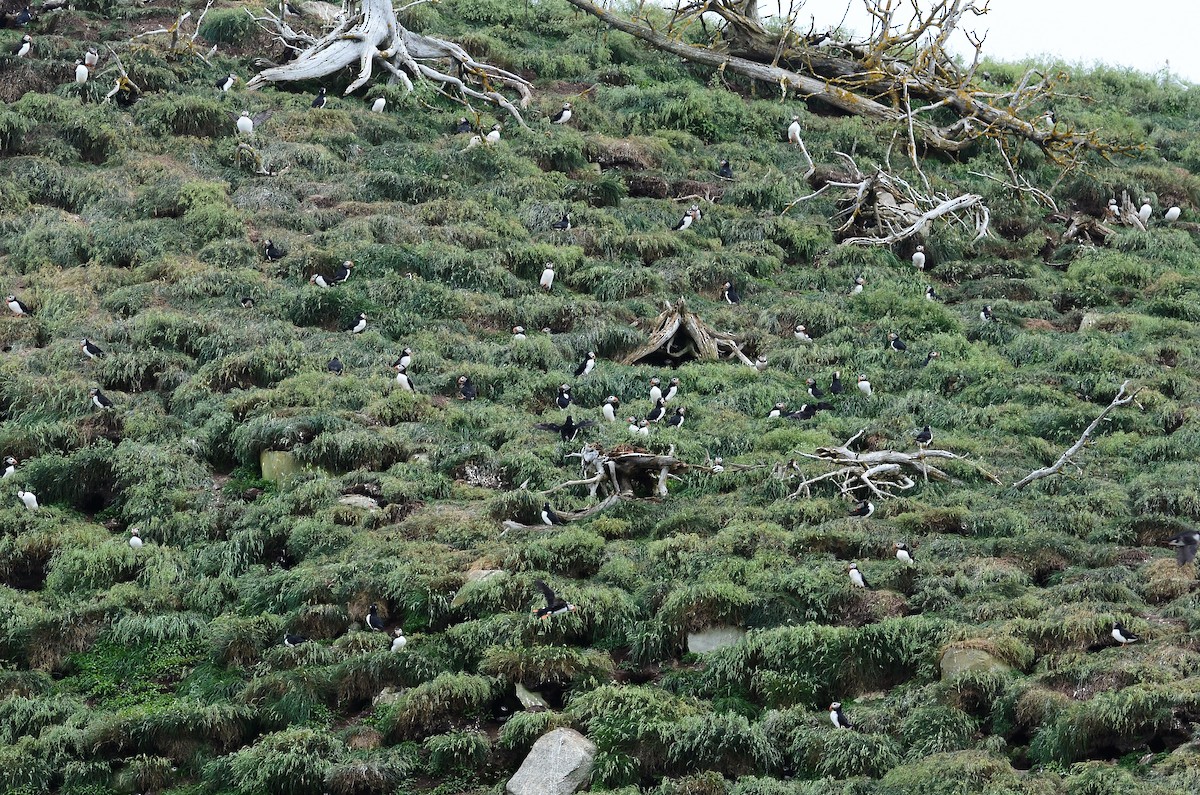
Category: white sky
[1141,34]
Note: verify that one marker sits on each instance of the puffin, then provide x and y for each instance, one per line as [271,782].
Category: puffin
[985,314]
[634,427]
[10,468]
[22,19]
[729,293]
[609,408]
[1122,635]
[554,603]
[1172,214]
[225,83]
[1047,119]
[815,392]
[549,517]
[725,171]
[656,392]
[801,334]
[924,436]
[360,326]
[568,430]
[23,49]
[656,413]
[856,577]
[835,386]
[493,135]
[90,349]
[270,251]
[676,420]
[1145,211]
[1185,543]
[319,281]
[135,539]
[672,391]
[930,358]
[518,333]
[838,718]
[930,295]
[319,101]
[547,280]
[563,401]
[587,365]
[563,116]
[476,140]
[462,126]
[685,221]
[292,641]
[399,641]
[374,622]
[864,385]
[246,301]
[793,131]
[760,363]
[718,467]
[405,358]
[918,258]
[895,343]
[1113,211]
[562,224]
[404,379]
[863,509]
[776,411]
[335,366]
[466,389]
[805,412]
[903,554]
[81,72]
[379,105]
[858,285]
[342,274]
[245,124]
[29,498]
[99,400]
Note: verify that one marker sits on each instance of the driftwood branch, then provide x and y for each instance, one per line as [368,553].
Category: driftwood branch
[1123,398]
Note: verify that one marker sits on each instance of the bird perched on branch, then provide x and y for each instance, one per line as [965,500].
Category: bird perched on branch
[549,517]
[568,430]
[587,365]
[838,718]
[99,399]
[90,349]
[856,577]
[1122,635]
[1185,543]
[360,325]
[563,116]
[863,509]
[466,389]
[554,603]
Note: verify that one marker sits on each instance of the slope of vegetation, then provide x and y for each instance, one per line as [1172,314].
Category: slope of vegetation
[162,668]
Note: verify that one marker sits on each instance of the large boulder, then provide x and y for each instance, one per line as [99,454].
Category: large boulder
[559,763]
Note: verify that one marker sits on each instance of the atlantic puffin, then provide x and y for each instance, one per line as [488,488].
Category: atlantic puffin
[562,224]
[399,641]
[793,131]
[319,281]
[246,301]
[924,436]
[29,498]
[685,221]
[634,428]
[863,509]
[1145,211]
[547,280]
[815,392]
[930,295]
[476,140]
[835,386]
[462,126]
[895,343]
[360,325]
[99,400]
[379,105]
[672,391]
[1122,635]
[549,517]
[776,411]
[563,401]
[225,83]
[864,385]
[319,101]
[335,366]
[81,72]
[985,315]
[405,358]
[655,391]
[930,357]
[568,430]
[858,285]
[676,420]
[656,413]
[563,116]
[838,718]
[1185,543]
[902,553]
[374,622]
[24,47]
[404,379]
[554,603]
[1172,214]
[292,641]
[609,408]
[10,468]
[493,135]
[587,365]
[245,124]
[342,274]
[805,412]
[270,251]
[760,363]
[729,293]
[90,349]
[466,389]
[518,333]
[856,577]
[918,258]
[725,171]
[801,334]
[135,540]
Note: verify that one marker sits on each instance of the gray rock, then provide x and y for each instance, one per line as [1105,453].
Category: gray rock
[1090,319]
[475,579]
[959,661]
[278,465]
[358,501]
[531,700]
[560,763]
[714,638]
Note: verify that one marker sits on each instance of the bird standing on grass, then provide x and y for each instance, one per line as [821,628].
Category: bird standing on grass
[776,411]
[1185,543]
[292,641]
[99,400]
[361,325]
[930,295]
[568,430]
[676,420]
[342,274]
[838,718]
[404,379]
[815,392]
[81,72]
[563,400]
[379,105]
[518,333]
[320,100]
[28,498]
[466,389]
[918,258]
[793,131]
[859,283]
[563,116]
[335,366]
[657,412]
[90,349]
[725,171]
[549,517]
[930,357]
[246,301]
[801,334]
[587,365]
[1122,635]
[23,49]
[270,251]
[10,468]
[225,83]
[493,136]
[1172,214]
[730,294]
[864,386]
[655,390]
[374,622]
[319,281]
[609,408]
[902,553]
[554,603]
[895,343]
[985,314]
[399,642]
[686,221]
[462,126]
[856,577]
[562,224]
[672,391]
[863,509]
[835,386]
[1145,211]
[135,538]
[547,279]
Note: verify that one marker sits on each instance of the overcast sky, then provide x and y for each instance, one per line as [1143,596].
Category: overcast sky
[1140,34]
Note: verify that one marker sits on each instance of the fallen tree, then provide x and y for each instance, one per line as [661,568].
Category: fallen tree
[679,336]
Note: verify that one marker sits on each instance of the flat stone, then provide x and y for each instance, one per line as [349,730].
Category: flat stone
[560,763]
[358,501]
[475,579]
[714,638]
[531,700]
[958,661]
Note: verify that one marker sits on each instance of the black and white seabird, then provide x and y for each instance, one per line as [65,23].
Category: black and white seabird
[554,603]
[568,430]
[379,105]
[518,333]
[587,365]
[399,642]
[895,343]
[17,306]
[245,124]
[856,577]
[609,408]
[547,279]
[801,334]
[90,349]
[985,315]
[864,386]
[562,224]
[374,622]
[292,641]
[793,131]
[685,221]
[676,420]
[135,538]
[655,391]
[99,400]
[270,251]
[549,517]
[28,498]
[863,509]
[23,18]
[725,171]
[404,379]
[930,357]
[246,301]
[924,436]
[918,258]
[319,281]
[342,274]
[835,386]
[859,282]
[81,72]
[838,718]
[930,295]
[563,401]
[1185,543]
[1122,635]
[319,101]
[805,412]
[466,389]
[493,135]
[563,116]
[360,325]
[225,83]
[672,391]
[903,554]
[10,467]
[656,413]
[815,392]
[729,293]
[760,363]
[776,411]
[405,358]
[462,126]
[638,427]
[23,49]
[1172,214]
[1145,211]
[335,366]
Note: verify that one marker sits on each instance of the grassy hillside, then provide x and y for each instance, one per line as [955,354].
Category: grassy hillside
[162,669]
